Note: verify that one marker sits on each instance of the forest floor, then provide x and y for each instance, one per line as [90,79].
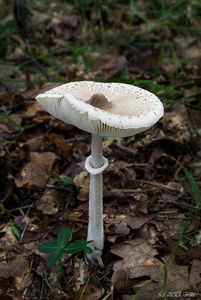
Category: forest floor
[152,205]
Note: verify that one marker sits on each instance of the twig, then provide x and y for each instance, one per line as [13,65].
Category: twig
[159,185]
[22,207]
[21,237]
[126,149]
[184,205]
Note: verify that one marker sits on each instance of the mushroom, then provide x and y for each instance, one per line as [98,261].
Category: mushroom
[102,109]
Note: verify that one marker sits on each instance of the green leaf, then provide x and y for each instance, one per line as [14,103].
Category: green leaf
[76,247]
[54,256]
[64,237]
[165,280]
[67,180]
[48,247]
[56,176]
[195,189]
[16,231]
[88,250]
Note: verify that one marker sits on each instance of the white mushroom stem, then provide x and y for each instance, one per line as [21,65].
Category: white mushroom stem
[95,228]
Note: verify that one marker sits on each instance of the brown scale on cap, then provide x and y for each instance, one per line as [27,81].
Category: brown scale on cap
[100,101]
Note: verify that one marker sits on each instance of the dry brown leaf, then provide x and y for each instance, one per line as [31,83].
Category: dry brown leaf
[139,261]
[81,273]
[82,181]
[33,109]
[8,76]
[21,282]
[16,267]
[195,274]
[60,142]
[121,223]
[8,237]
[177,282]
[35,143]
[150,233]
[5,285]
[108,142]
[138,258]
[17,55]
[4,128]
[91,292]
[193,52]
[49,202]
[36,172]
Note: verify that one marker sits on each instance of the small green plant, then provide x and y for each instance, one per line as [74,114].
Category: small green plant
[82,51]
[58,247]
[196,197]
[195,189]
[62,180]
[15,230]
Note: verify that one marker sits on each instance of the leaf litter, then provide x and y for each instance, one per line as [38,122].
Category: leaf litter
[147,197]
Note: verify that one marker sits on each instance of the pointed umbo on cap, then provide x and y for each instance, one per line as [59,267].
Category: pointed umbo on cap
[104,109]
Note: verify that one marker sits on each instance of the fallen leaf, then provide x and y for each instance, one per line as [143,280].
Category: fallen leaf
[21,282]
[36,172]
[91,292]
[177,281]
[138,258]
[35,143]
[82,181]
[80,273]
[49,202]
[193,52]
[16,267]
[122,223]
[195,273]
[4,128]
[108,142]
[33,109]
[17,55]
[61,144]
[5,285]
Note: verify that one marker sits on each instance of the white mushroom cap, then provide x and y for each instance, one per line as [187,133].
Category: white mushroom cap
[125,110]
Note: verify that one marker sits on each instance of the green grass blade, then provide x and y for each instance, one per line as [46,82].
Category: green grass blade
[16,231]
[165,281]
[195,189]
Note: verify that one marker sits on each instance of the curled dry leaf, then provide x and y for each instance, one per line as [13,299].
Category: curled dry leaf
[80,274]
[49,202]
[82,181]
[37,171]
[8,237]
[33,109]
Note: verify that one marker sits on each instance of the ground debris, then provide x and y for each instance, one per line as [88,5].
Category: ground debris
[37,171]
[147,198]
